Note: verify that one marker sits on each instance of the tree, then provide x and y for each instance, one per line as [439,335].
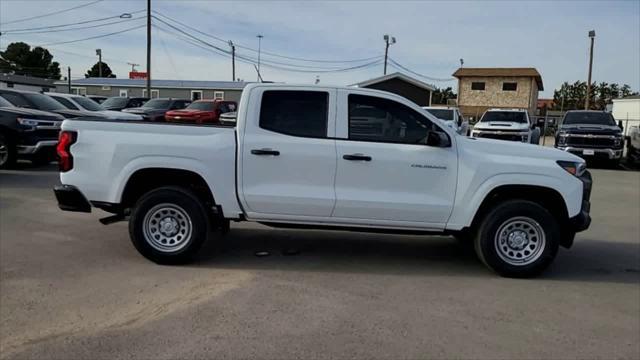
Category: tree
[19,58]
[441,96]
[95,71]
[572,96]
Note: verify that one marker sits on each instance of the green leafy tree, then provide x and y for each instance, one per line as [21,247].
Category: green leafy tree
[441,96]
[572,96]
[95,71]
[19,58]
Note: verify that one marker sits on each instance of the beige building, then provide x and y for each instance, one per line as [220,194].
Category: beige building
[480,89]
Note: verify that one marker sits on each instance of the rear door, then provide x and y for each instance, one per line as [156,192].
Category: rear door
[288,157]
[386,174]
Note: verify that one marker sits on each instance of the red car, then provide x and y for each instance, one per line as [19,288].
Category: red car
[201,112]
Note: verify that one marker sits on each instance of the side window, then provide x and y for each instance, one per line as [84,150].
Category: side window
[382,120]
[296,113]
[477,86]
[68,104]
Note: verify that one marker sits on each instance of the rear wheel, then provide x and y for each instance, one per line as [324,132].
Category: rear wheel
[518,238]
[169,225]
[7,153]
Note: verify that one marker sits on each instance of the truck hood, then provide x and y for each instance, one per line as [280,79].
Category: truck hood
[145,111]
[591,129]
[117,115]
[514,149]
[188,112]
[32,113]
[501,125]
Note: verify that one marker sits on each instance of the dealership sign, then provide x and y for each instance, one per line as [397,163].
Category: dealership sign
[137,75]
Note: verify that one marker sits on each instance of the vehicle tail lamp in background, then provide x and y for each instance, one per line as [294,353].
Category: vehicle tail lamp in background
[65,159]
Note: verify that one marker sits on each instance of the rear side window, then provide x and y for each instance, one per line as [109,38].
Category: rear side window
[16,100]
[65,102]
[296,113]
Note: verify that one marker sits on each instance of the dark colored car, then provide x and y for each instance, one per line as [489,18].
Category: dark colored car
[34,100]
[97,98]
[591,134]
[118,103]
[27,134]
[155,109]
[202,112]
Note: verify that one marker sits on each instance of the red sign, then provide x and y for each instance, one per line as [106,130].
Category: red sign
[137,75]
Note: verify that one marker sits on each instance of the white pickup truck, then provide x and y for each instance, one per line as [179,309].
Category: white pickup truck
[330,158]
[507,124]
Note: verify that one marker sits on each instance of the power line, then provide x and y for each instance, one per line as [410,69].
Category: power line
[400,67]
[75,28]
[50,14]
[266,52]
[94,37]
[72,24]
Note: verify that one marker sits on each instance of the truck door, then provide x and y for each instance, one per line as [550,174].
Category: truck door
[288,154]
[386,174]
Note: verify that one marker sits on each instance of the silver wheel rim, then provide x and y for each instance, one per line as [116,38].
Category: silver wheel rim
[167,227]
[4,152]
[520,241]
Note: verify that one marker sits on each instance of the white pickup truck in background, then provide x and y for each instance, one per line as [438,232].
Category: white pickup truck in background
[507,124]
[325,157]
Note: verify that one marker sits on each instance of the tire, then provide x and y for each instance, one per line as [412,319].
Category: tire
[535,136]
[518,238]
[186,228]
[7,153]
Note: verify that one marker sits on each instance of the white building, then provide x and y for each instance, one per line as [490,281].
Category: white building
[627,110]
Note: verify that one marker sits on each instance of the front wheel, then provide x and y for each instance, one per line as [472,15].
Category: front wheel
[7,153]
[518,238]
[169,225]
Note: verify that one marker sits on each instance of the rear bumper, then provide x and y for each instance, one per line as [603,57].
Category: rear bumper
[71,199]
[582,221]
[611,154]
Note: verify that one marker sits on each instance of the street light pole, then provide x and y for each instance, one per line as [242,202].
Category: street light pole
[149,48]
[99,53]
[592,35]
[259,49]
[233,61]
[389,40]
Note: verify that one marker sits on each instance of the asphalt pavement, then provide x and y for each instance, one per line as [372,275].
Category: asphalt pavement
[72,288]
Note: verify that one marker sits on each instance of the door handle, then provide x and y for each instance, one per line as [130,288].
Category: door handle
[357,157]
[265,152]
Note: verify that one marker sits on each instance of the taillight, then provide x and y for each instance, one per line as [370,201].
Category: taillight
[65,159]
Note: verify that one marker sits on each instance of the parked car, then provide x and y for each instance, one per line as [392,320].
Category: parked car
[507,124]
[633,146]
[118,103]
[155,109]
[202,112]
[229,118]
[77,102]
[27,134]
[591,134]
[97,98]
[293,161]
[451,117]
[38,101]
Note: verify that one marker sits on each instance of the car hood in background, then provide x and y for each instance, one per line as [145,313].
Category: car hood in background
[68,113]
[33,113]
[146,111]
[117,115]
[591,129]
[501,125]
[189,112]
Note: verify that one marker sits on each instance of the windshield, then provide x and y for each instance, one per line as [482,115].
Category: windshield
[201,105]
[442,114]
[115,101]
[43,102]
[589,118]
[505,116]
[157,104]
[5,103]
[88,103]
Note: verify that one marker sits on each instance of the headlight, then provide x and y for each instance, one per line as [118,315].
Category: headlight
[28,122]
[618,140]
[573,168]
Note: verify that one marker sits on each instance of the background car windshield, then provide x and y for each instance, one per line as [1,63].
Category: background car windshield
[201,105]
[590,118]
[443,114]
[157,104]
[43,102]
[506,116]
[115,102]
[5,103]
[88,103]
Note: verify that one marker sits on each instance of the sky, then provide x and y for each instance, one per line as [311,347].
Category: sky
[432,37]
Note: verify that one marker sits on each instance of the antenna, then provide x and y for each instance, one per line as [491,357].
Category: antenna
[258,71]
[133,66]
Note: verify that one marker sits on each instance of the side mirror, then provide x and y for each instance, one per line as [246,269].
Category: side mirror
[620,125]
[438,139]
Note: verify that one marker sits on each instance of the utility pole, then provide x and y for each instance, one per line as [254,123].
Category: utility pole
[233,61]
[389,40]
[259,50]
[69,79]
[99,53]
[592,35]
[149,48]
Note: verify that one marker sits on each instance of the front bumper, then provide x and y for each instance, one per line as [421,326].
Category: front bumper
[519,136]
[71,199]
[582,221]
[37,147]
[611,154]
